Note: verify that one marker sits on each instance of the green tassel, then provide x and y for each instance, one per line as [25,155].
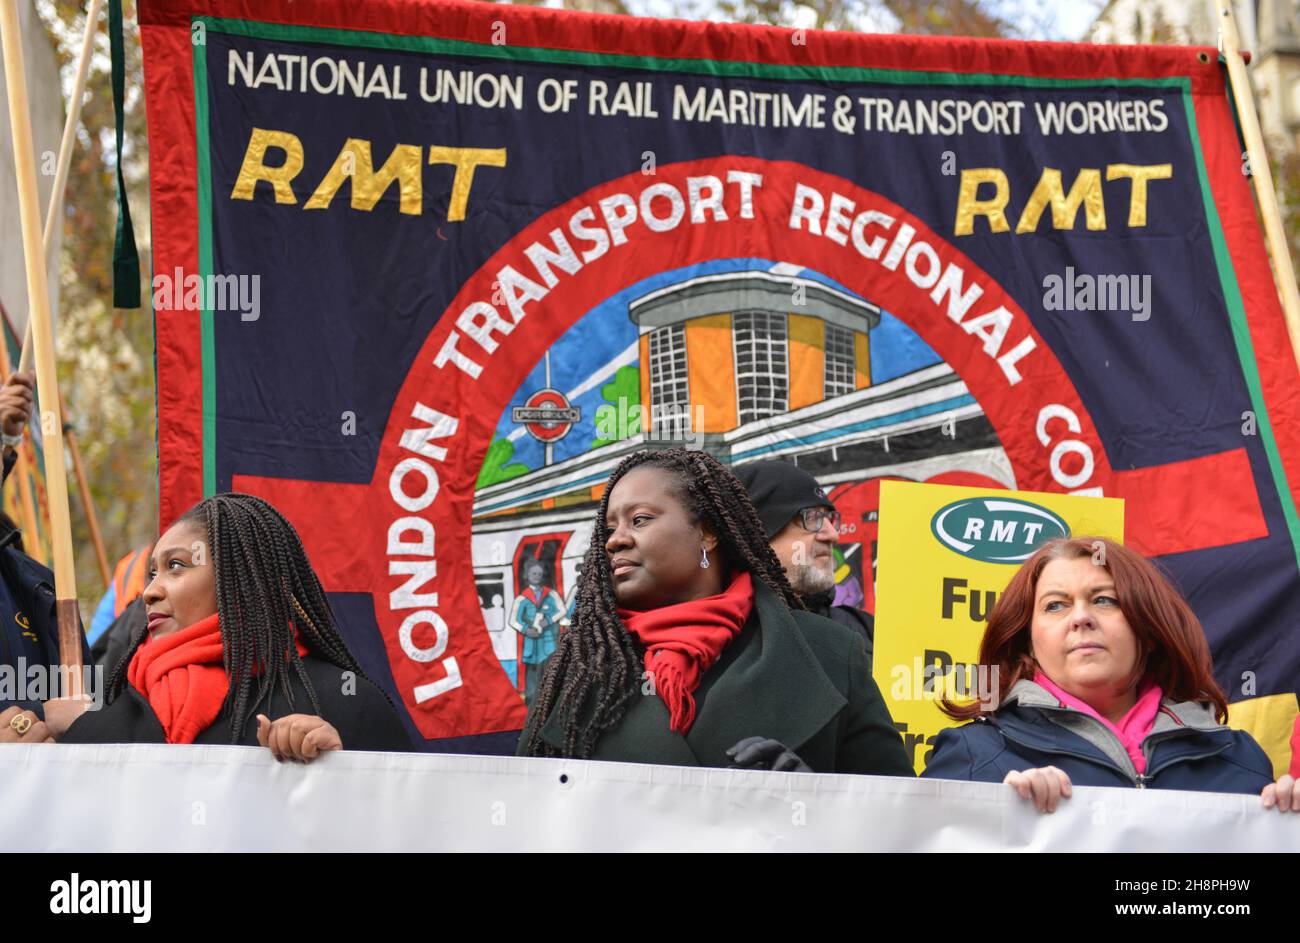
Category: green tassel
[126,260]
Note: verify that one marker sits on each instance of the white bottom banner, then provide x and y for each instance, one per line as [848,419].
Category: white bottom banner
[190,798]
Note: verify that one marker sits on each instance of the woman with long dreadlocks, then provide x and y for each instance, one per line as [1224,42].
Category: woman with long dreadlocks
[689,647]
[240,647]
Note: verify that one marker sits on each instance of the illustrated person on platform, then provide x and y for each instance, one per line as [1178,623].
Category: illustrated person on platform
[571,600]
[690,648]
[803,528]
[505,645]
[240,647]
[1104,679]
[536,616]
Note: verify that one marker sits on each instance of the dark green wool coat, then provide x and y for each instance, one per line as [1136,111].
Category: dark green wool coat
[792,676]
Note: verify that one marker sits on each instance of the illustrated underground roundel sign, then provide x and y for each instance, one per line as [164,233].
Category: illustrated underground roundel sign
[547,415]
[996,530]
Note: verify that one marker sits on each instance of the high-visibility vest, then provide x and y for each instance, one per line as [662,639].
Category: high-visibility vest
[129,578]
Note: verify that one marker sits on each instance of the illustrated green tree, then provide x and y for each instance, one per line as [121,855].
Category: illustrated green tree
[619,414]
[497,466]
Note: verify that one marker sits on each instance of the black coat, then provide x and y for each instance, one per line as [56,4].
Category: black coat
[791,676]
[859,620]
[364,718]
[32,587]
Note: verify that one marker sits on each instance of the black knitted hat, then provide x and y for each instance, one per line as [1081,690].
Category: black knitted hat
[780,490]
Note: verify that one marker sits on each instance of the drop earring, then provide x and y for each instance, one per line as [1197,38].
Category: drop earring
[704,558]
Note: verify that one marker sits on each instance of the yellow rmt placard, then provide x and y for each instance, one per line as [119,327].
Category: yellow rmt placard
[944,556]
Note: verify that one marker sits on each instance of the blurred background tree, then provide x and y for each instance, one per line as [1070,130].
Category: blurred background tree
[1023,19]
[105,354]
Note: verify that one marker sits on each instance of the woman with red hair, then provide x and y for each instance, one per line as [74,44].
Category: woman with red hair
[1103,678]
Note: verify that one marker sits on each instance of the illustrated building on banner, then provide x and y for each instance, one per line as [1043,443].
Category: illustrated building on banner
[748,365]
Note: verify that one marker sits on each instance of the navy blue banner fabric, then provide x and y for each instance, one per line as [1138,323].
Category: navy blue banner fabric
[450,277]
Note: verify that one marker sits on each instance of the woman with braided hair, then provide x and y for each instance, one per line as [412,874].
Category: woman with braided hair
[240,647]
[689,647]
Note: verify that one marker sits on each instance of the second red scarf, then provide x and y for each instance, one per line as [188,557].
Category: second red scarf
[183,677]
[683,641]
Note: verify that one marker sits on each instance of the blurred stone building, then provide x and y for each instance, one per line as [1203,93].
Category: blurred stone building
[1270,30]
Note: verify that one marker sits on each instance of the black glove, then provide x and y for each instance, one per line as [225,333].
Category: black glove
[765,753]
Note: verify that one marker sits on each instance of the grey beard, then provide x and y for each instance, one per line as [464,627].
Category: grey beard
[809,580]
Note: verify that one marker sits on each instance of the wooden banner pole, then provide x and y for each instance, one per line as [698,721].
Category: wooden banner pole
[47,381]
[65,155]
[92,520]
[52,214]
[1260,172]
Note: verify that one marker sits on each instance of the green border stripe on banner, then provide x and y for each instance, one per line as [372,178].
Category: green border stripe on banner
[722,68]
[204,199]
[1241,332]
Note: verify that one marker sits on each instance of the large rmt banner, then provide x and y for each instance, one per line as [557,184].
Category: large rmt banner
[426,271]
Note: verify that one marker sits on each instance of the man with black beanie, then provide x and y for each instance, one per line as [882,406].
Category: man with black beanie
[802,526]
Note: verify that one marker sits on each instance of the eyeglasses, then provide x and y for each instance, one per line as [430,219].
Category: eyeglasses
[812,519]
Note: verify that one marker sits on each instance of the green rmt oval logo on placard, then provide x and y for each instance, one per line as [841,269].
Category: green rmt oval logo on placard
[996,530]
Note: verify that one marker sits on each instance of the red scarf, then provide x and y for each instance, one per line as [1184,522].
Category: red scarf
[682,641]
[183,677]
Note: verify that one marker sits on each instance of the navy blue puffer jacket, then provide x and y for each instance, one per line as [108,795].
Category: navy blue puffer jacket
[1187,748]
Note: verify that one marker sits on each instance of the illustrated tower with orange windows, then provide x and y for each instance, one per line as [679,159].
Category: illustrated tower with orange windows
[722,351]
